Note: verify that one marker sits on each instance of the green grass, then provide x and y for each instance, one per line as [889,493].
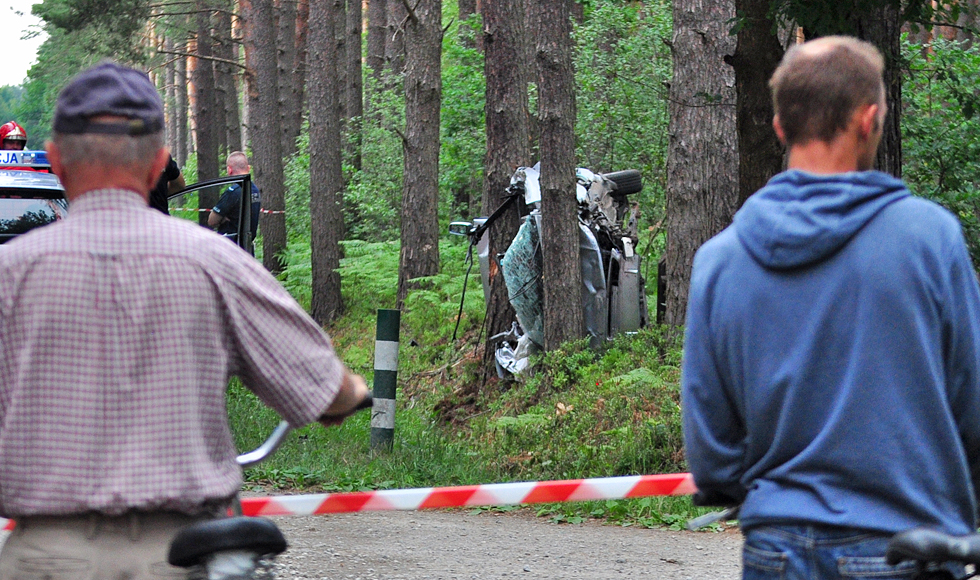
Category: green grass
[580,413]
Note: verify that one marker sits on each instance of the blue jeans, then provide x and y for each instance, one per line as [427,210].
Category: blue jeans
[806,552]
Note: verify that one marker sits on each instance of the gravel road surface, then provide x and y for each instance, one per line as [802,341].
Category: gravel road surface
[459,544]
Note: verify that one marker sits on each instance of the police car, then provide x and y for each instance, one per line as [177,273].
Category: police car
[30,195]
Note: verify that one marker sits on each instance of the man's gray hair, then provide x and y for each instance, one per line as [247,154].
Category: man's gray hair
[108,150]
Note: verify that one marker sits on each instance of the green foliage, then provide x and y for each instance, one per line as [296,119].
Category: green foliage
[585,413]
[10,99]
[648,512]
[189,170]
[338,459]
[825,17]
[121,18]
[941,130]
[372,201]
[296,174]
[582,414]
[80,34]
[463,123]
[622,66]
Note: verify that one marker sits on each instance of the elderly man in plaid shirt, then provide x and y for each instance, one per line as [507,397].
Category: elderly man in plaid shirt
[119,330]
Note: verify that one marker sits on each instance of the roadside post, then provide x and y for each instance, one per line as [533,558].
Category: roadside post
[385,379]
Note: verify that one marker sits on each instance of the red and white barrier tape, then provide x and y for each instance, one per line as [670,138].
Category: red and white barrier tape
[271,211]
[493,494]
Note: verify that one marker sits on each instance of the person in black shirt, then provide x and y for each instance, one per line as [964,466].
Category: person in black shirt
[170,181]
[224,215]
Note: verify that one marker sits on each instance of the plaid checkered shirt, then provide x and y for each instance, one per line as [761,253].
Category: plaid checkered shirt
[119,330]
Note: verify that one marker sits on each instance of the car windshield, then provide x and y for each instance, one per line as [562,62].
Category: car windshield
[20,215]
[28,200]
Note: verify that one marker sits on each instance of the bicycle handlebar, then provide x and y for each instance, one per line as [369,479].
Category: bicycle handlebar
[269,446]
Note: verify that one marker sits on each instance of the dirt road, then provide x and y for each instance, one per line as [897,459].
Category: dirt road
[461,545]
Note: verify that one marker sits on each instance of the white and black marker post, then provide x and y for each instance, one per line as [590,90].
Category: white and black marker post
[385,379]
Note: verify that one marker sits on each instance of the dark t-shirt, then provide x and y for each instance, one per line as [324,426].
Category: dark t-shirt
[228,207]
[158,196]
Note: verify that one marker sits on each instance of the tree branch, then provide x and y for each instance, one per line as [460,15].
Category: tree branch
[411,13]
[402,135]
[211,58]
[189,13]
[931,24]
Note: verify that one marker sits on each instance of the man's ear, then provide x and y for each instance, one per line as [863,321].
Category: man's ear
[159,164]
[54,158]
[868,122]
[778,127]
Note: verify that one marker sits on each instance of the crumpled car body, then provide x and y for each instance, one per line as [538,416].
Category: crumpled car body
[613,296]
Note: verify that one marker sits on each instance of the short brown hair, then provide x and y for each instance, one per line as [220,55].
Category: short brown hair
[819,84]
[238,161]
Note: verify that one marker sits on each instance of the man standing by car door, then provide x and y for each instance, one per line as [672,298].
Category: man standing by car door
[831,377]
[119,330]
[224,216]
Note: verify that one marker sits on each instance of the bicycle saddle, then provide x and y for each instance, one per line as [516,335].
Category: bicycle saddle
[196,542]
[925,545]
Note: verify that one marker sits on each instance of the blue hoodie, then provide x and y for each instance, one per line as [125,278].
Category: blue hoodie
[832,359]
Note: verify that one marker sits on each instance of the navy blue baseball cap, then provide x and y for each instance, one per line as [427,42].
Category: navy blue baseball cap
[110,89]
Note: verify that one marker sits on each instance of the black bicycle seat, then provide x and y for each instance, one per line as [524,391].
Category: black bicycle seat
[196,542]
[925,545]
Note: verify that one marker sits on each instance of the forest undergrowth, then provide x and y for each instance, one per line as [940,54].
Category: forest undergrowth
[579,412]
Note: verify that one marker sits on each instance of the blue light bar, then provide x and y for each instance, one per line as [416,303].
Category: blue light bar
[24,158]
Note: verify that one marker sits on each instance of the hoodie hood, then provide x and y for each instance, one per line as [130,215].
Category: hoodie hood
[800,218]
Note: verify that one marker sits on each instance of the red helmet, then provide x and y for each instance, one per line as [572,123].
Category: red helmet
[11,131]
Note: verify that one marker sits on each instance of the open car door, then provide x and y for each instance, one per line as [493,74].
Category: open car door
[231,186]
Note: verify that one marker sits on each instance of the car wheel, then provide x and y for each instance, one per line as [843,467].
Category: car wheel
[627,181]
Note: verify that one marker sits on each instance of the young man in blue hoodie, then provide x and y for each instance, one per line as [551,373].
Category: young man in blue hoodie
[831,379]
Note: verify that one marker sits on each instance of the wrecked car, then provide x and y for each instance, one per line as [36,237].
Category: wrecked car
[613,295]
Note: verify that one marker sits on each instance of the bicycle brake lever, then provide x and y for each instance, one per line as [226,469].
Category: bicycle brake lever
[366,403]
[708,519]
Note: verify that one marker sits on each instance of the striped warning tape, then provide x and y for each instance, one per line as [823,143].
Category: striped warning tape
[192,209]
[493,494]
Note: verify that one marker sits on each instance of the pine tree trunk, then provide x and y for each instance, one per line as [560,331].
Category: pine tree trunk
[467,8]
[289,105]
[302,33]
[206,113]
[326,179]
[377,30]
[180,85]
[227,94]
[702,164]
[881,26]
[263,95]
[420,193]
[395,42]
[340,37]
[561,268]
[506,111]
[171,95]
[756,57]
[355,84]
